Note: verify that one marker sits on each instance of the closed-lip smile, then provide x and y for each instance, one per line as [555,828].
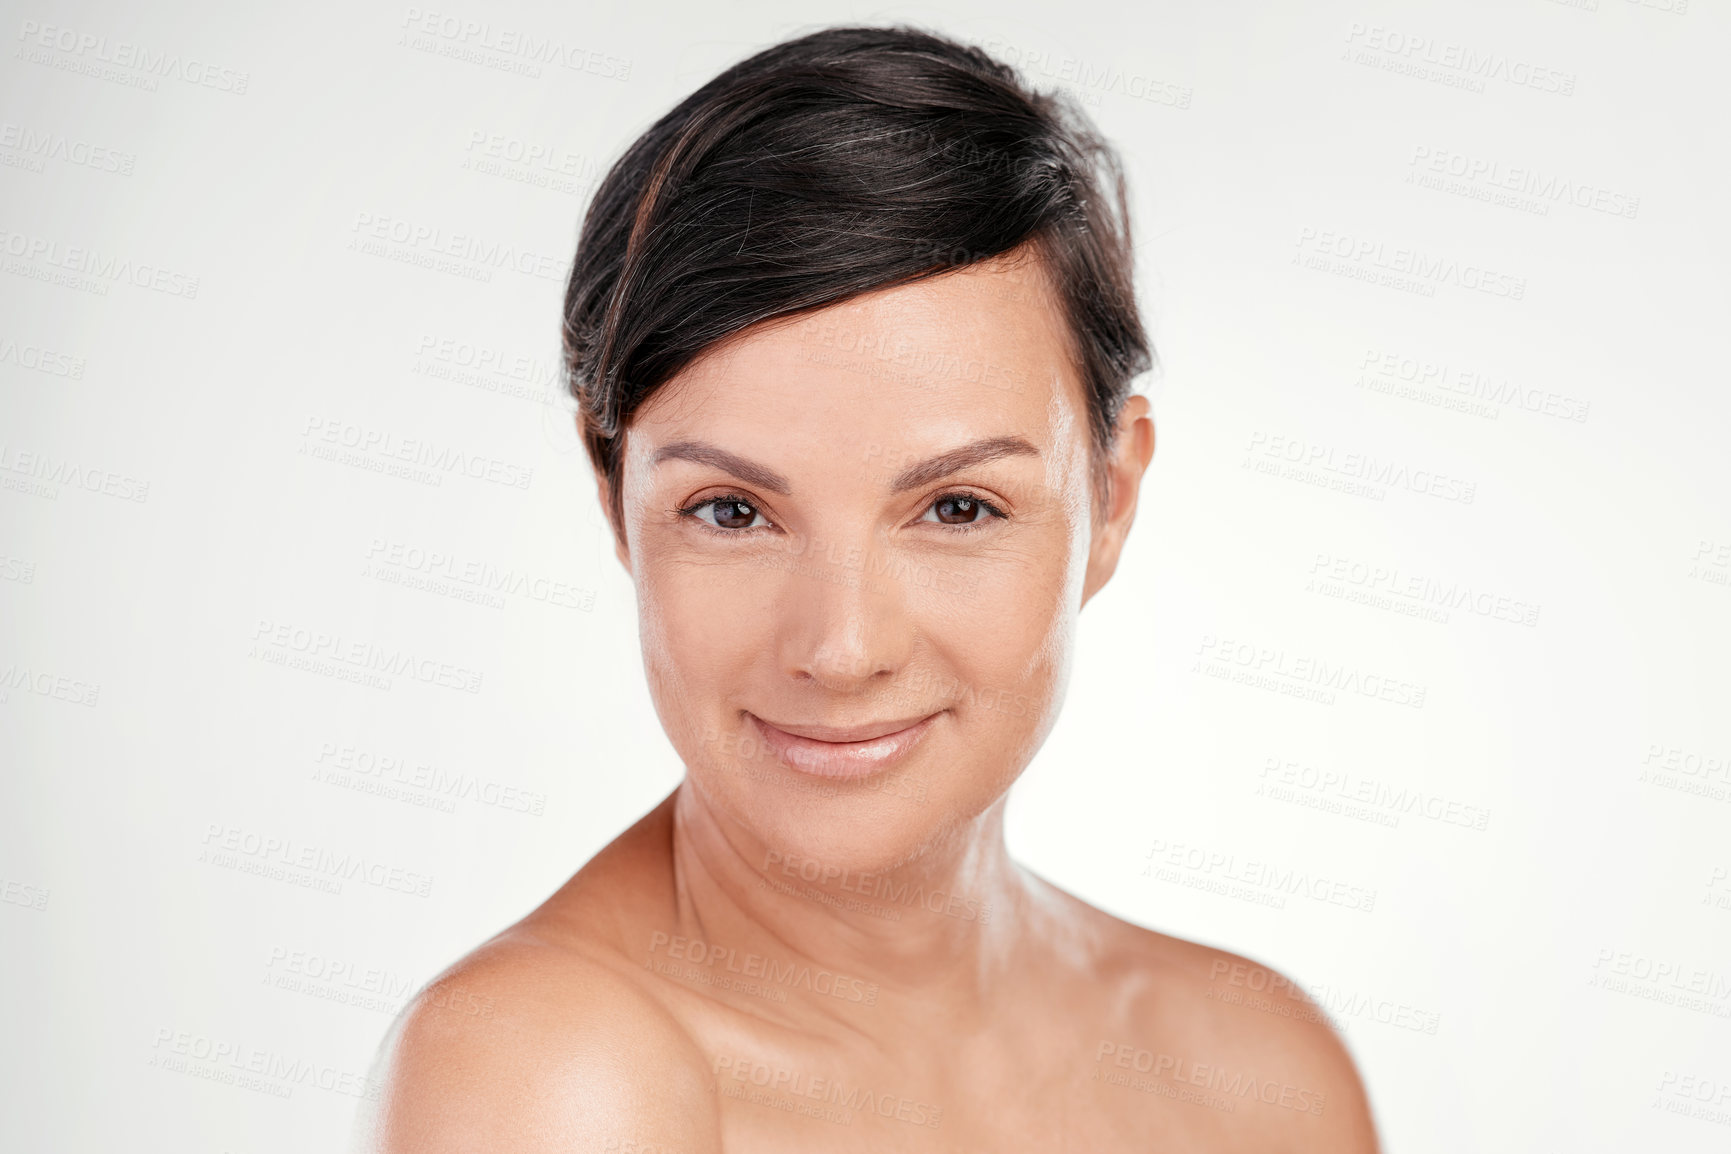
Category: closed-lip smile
[841,752]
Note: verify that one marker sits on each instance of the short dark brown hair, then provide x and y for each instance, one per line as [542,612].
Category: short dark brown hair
[834,164]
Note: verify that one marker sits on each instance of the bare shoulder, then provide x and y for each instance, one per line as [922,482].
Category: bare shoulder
[527,1045]
[1230,1033]
[541,1040]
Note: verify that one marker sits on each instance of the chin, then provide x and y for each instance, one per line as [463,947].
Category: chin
[860,822]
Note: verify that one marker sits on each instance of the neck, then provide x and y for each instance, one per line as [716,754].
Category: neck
[939,927]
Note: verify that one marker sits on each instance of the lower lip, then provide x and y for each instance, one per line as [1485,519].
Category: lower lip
[841,760]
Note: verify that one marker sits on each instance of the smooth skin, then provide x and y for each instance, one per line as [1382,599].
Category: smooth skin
[771,961]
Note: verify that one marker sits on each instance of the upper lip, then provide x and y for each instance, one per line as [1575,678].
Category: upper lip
[839,733]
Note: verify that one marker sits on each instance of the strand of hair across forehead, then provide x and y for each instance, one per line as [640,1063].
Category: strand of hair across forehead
[628,264]
[689,144]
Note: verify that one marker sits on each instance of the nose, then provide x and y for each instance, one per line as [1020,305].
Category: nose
[840,628]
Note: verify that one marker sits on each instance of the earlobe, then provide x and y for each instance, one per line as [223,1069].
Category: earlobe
[1136,431]
[1131,455]
[604,495]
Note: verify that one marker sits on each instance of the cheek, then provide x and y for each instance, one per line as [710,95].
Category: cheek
[1008,637]
[696,625]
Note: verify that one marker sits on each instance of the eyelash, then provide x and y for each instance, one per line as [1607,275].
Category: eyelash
[992,511]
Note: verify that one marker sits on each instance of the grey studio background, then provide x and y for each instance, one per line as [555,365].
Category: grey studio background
[1413,681]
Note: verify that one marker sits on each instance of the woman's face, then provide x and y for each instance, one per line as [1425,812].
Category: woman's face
[871,522]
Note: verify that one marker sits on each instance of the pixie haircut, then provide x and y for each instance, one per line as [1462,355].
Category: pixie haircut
[828,166]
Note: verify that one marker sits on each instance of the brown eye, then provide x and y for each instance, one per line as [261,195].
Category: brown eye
[962,511]
[957,510]
[728,513]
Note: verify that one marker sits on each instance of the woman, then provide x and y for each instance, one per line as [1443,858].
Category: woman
[852,333]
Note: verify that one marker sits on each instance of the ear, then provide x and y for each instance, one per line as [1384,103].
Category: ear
[604,494]
[1131,453]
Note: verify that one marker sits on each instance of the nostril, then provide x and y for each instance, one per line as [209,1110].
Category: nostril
[837,646]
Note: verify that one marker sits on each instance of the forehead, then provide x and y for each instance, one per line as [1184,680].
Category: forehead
[983,350]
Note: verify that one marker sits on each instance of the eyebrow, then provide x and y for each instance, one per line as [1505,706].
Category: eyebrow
[703,453]
[912,477]
[956,460]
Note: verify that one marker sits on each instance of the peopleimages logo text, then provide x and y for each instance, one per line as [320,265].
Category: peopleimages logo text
[285,638]
[124,54]
[1365,252]
[514,43]
[95,263]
